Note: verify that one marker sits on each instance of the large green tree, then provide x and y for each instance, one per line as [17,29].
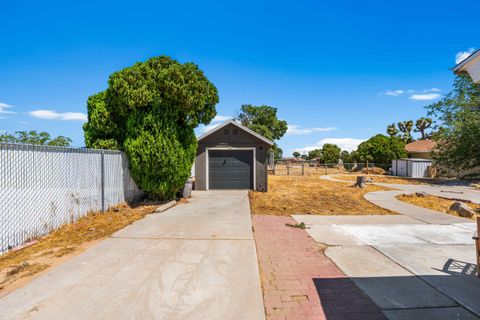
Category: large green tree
[33,137]
[330,153]
[264,121]
[150,110]
[314,154]
[381,149]
[458,126]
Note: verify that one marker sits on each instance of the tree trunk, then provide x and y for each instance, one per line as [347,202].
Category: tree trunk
[361,182]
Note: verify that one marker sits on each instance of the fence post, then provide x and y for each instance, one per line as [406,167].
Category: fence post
[303,169]
[477,244]
[288,170]
[102,180]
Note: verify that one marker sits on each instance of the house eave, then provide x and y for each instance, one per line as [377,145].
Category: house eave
[226,123]
[460,67]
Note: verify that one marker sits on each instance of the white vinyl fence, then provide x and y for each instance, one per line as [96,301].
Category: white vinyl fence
[42,188]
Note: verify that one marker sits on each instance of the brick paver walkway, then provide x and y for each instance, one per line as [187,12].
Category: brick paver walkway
[299,282]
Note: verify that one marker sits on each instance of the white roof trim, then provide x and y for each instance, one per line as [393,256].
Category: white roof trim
[466,61]
[253,133]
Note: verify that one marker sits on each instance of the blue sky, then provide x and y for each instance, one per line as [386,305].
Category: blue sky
[337,71]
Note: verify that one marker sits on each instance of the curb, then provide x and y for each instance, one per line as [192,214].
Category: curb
[166,206]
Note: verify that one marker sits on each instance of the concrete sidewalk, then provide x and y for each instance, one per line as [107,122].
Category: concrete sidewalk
[194,261]
[410,269]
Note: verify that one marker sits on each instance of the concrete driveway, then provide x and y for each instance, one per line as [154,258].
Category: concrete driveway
[194,261]
[410,269]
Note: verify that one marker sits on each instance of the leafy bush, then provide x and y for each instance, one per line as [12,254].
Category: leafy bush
[33,137]
[381,149]
[150,110]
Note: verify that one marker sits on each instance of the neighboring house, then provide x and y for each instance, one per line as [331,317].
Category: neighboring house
[232,156]
[292,160]
[470,65]
[421,149]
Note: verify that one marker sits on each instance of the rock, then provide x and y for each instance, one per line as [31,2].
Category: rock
[461,209]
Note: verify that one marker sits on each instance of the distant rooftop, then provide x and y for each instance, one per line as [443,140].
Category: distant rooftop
[420,146]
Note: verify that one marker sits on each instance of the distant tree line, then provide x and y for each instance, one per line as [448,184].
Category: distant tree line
[378,149]
[33,137]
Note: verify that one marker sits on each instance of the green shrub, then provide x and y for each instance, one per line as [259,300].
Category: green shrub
[150,111]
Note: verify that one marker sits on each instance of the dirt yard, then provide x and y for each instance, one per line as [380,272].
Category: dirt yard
[382,179]
[436,203]
[311,195]
[17,267]
[296,170]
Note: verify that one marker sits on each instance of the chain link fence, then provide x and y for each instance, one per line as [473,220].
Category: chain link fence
[42,188]
[305,167]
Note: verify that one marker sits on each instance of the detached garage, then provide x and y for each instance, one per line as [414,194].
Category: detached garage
[232,156]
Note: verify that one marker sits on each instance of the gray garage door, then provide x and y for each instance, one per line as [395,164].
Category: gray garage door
[230,169]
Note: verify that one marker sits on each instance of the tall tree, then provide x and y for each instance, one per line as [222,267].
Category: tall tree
[422,125]
[296,154]
[150,110]
[264,121]
[330,153]
[38,138]
[313,154]
[406,128]
[459,115]
[392,130]
[381,149]
[345,156]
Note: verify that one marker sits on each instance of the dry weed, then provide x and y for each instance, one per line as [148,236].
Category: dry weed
[66,240]
[436,203]
[311,195]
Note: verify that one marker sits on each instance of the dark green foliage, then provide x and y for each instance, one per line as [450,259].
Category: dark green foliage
[330,153]
[277,152]
[381,149]
[392,130]
[406,128]
[296,154]
[316,153]
[345,156]
[150,110]
[422,125]
[263,120]
[33,137]
[459,134]
[100,130]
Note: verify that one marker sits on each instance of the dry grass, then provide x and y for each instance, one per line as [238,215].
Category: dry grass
[311,195]
[436,203]
[65,241]
[382,179]
[296,170]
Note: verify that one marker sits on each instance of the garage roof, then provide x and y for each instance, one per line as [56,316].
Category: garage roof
[226,123]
